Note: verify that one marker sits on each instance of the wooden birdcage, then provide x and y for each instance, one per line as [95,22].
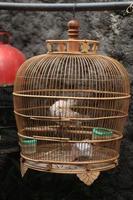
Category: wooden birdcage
[70,106]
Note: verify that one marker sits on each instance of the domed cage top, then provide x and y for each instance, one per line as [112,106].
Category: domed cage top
[70,106]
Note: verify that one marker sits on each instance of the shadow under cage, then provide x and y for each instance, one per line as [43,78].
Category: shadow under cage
[70,106]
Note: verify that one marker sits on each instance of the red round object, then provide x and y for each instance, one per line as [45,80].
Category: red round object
[10,60]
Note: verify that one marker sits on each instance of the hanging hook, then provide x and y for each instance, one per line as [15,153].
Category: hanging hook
[129,9]
[74,10]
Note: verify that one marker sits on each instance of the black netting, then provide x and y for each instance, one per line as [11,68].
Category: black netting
[8,130]
[6,106]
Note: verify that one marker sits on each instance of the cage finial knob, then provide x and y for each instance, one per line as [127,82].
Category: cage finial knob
[73,29]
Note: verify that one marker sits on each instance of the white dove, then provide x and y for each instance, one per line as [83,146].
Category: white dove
[62,109]
[83,148]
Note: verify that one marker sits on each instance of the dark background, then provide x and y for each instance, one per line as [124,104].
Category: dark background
[30,30]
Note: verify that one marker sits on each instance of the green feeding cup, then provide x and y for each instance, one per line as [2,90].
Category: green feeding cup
[29,146]
[101,132]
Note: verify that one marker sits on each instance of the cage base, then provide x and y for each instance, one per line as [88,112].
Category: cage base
[66,169]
